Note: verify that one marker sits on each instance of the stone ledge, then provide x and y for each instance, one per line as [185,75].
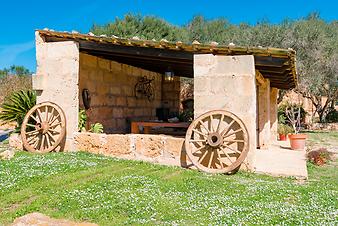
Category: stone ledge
[280,163]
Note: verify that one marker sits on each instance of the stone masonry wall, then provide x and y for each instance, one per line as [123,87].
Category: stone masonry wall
[227,83]
[171,94]
[111,86]
[161,149]
[56,80]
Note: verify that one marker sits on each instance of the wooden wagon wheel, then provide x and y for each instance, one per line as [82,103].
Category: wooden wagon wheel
[43,128]
[217,142]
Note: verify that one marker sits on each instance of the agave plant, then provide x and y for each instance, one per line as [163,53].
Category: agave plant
[16,106]
[96,128]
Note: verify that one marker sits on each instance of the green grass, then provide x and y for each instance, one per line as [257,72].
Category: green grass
[107,191]
[317,139]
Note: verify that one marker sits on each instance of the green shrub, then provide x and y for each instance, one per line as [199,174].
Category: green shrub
[94,128]
[82,120]
[16,106]
[332,116]
[282,108]
[284,129]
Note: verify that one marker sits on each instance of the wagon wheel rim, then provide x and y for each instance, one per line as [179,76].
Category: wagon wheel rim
[43,128]
[217,142]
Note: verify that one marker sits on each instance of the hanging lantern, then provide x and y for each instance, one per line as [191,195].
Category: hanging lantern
[169,75]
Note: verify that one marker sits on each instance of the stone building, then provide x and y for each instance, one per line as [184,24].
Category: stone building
[242,80]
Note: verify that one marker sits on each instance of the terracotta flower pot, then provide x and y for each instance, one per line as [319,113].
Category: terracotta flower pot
[297,141]
[282,137]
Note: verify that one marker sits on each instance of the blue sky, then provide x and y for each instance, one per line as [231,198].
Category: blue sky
[19,19]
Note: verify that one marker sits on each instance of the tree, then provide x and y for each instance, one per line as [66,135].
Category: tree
[147,27]
[15,70]
[13,79]
[317,65]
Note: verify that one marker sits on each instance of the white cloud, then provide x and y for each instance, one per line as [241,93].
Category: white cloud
[9,53]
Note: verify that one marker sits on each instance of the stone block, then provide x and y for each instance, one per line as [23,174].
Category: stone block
[128,90]
[115,66]
[108,77]
[41,219]
[150,146]
[115,90]
[15,141]
[104,64]
[117,112]
[90,142]
[139,112]
[173,147]
[279,162]
[131,102]
[117,145]
[121,101]
[88,60]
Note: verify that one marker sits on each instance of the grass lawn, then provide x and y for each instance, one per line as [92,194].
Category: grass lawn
[319,139]
[107,191]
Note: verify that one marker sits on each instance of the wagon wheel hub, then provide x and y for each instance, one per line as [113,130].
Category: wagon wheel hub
[214,139]
[44,127]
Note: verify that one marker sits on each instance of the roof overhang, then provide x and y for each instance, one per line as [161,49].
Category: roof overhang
[277,65]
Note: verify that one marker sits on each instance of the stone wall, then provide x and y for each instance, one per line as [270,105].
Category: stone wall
[168,150]
[161,149]
[56,80]
[227,83]
[111,86]
[273,114]
[264,125]
[171,94]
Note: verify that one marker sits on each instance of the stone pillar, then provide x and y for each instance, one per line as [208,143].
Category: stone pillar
[56,80]
[264,114]
[273,114]
[227,83]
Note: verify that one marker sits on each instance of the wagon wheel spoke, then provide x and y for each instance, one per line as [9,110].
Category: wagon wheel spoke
[203,156]
[55,118]
[204,127]
[42,145]
[49,130]
[47,140]
[220,159]
[227,155]
[230,148]
[35,119]
[54,131]
[219,123]
[226,130]
[199,132]
[34,132]
[232,133]
[198,149]
[234,141]
[30,125]
[39,113]
[51,115]
[46,116]
[221,140]
[55,125]
[211,158]
[211,125]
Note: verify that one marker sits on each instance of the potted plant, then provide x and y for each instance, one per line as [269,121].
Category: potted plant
[297,140]
[283,131]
